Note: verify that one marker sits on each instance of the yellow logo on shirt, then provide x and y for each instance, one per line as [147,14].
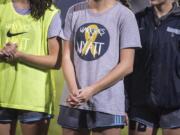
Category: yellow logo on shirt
[92,41]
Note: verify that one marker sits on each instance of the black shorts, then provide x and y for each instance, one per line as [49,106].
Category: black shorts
[8,115]
[155,118]
[84,119]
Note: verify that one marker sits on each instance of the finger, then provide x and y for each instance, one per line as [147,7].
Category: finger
[8,44]
[79,101]
[75,99]
[81,96]
[14,46]
[75,93]
[74,105]
[82,99]
[10,52]
[10,55]
[5,53]
[80,91]
[68,100]
[71,105]
[10,48]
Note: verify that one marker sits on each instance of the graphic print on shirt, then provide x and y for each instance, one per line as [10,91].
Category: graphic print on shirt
[92,41]
[20,33]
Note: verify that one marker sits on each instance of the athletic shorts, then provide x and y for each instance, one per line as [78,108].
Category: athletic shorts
[155,118]
[8,115]
[72,118]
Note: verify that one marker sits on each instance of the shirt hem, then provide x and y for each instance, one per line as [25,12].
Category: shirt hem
[98,110]
[28,108]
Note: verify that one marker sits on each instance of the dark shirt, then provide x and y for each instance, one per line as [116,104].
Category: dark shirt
[156,77]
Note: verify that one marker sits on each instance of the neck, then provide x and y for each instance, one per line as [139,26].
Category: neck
[22,4]
[163,9]
[101,5]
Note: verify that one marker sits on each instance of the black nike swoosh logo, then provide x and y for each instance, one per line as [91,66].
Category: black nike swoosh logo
[9,34]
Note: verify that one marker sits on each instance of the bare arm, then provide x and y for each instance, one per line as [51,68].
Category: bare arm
[52,60]
[68,67]
[69,74]
[118,73]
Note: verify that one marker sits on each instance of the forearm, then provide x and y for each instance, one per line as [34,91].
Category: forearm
[42,62]
[115,75]
[50,61]
[69,74]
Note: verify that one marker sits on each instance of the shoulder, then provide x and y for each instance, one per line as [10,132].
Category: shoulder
[52,9]
[78,7]
[124,12]
[51,12]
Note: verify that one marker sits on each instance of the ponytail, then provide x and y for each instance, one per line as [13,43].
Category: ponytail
[125,3]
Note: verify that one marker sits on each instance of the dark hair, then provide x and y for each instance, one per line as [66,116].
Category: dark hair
[125,3]
[38,7]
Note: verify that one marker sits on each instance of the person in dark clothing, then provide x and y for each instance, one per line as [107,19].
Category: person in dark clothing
[154,87]
[138,5]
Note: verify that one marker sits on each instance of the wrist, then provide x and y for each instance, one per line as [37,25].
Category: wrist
[73,90]
[93,89]
[19,55]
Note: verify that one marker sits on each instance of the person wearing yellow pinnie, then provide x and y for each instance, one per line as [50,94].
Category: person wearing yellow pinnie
[29,48]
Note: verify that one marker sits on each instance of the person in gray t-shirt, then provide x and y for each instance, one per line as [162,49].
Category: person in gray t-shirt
[100,37]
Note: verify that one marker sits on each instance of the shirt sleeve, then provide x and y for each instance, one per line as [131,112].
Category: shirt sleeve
[55,28]
[129,32]
[68,28]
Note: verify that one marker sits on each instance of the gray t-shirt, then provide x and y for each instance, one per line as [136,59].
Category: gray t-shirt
[55,27]
[97,40]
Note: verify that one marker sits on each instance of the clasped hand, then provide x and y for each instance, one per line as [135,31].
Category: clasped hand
[78,97]
[9,52]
